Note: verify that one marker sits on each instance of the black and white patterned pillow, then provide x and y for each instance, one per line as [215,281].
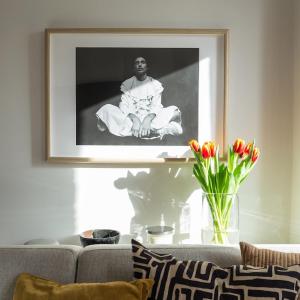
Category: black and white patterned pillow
[193,280]
[175,279]
[271,282]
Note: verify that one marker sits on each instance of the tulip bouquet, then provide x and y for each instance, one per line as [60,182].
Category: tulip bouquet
[221,180]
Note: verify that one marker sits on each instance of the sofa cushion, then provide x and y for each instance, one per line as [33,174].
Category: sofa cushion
[42,261]
[101,263]
[261,257]
[29,287]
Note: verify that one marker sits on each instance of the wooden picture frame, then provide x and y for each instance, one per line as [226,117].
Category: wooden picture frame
[87,69]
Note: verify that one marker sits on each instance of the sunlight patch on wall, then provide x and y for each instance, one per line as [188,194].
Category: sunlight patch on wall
[98,203]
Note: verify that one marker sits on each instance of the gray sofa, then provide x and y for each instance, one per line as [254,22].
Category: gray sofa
[98,263]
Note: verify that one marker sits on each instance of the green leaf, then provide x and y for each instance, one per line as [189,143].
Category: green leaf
[212,182]
[246,173]
[240,171]
[198,172]
[221,177]
[216,161]
[198,157]
[229,187]
[228,183]
[230,159]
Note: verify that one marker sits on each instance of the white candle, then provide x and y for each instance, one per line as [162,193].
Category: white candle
[160,234]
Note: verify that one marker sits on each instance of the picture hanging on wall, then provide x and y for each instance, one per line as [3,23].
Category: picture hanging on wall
[134,95]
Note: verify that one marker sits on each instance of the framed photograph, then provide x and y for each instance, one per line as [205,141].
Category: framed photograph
[134,95]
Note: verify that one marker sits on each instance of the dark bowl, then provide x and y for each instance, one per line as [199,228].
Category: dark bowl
[99,236]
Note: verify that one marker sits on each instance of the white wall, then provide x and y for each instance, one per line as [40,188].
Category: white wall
[58,201]
[295,223]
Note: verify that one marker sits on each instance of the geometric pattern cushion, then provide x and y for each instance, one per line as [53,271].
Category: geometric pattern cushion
[272,282]
[257,257]
[193,280]
[174,279]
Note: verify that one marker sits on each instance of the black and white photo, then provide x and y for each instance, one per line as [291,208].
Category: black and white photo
[156,103]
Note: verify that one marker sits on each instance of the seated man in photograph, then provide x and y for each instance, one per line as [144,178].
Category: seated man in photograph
[140,112]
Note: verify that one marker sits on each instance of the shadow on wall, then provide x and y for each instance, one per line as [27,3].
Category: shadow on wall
[160,193]
[276,80]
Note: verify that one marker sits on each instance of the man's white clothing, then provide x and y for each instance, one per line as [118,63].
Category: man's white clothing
[140,98]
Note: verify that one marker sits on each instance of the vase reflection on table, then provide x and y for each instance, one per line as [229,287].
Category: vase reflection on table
[220,182]
[220,219]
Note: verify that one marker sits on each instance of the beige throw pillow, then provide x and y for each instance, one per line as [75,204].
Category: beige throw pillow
[257,257]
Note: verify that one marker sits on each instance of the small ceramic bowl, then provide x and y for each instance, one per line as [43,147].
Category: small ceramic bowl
[99,236]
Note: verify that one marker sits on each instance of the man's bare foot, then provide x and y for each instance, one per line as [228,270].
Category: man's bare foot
[101,125]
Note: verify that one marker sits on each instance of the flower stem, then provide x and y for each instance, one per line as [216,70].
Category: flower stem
[220,207]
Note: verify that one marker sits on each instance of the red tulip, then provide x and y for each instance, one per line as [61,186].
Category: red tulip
[239,146]
[194,145]
[213,149]
[205,150]
[255,154]
[247,150]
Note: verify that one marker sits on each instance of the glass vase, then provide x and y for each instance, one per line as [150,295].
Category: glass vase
[220,218]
